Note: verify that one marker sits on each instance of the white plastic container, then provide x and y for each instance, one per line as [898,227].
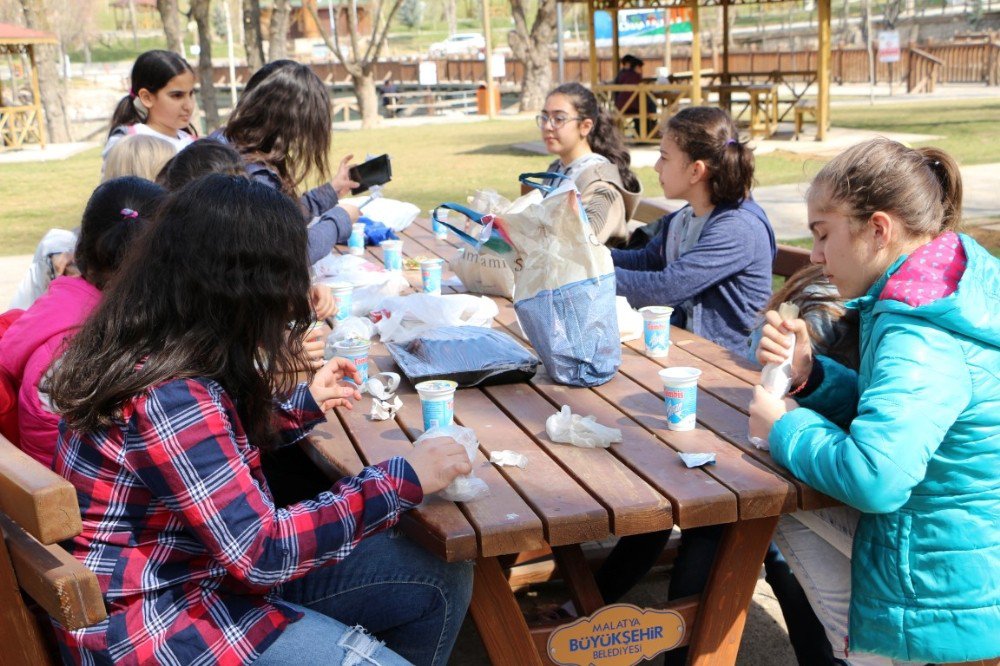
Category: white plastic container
[343,296]
[392,255]
[680,396]
[430,273]
[356,243]
[356,351]
[437,402]
[656,329]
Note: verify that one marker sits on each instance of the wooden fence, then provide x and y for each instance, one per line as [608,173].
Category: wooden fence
[961,62]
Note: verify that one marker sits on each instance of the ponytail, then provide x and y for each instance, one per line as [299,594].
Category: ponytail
[606,138]
[945,170]
[922,187]
[128,111]
[708,134]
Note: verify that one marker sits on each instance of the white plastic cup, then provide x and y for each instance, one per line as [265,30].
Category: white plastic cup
[656,329]
[355,350]
[437,402]
[440,231]
[430,273]
[392,255]
[680,396]
[343,296]
[356,243]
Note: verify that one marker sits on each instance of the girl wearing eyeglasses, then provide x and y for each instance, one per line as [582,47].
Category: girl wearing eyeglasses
[591,152]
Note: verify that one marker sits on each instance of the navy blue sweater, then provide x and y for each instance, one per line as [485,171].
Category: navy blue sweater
[727,274]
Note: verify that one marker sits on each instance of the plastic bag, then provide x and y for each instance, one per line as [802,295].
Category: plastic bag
[372,283]
[483,273]
[630,325]
[469,355]
[403,318]
[776,378]
[464,488]
[352,327]
[508,458]
[397,215]
[565,427]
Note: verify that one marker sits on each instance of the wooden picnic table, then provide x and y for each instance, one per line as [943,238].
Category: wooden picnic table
[568,496]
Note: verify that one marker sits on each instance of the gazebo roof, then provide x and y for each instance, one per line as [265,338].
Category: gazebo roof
[15,34]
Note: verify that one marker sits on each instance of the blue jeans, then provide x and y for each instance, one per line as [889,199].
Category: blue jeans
[395,589]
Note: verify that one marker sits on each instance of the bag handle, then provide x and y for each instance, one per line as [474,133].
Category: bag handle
[526,179]
[477,217]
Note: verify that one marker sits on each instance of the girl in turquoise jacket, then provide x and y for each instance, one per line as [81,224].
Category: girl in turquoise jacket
[912,439]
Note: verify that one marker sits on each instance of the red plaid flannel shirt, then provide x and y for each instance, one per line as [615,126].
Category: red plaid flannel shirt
[182,532]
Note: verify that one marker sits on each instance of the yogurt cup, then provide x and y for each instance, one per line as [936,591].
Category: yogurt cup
[343,295]
[680,396]
[440,231]
[437,402]
[356,351]
[392,255]
[656,329]
[356,243]
[430,272]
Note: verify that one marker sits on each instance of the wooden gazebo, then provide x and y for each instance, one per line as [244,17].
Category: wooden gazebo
[21,122]
[652,97]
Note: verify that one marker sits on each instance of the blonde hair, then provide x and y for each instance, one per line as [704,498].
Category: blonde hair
[920,186]
[138,155]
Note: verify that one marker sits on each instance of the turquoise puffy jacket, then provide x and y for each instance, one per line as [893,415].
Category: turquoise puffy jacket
[921,459]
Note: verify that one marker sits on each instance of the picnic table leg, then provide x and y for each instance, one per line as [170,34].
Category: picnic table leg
[498,617]
[579,578]
[718,628]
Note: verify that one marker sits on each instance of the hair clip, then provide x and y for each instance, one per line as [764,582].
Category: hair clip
[131,93]
[129,213]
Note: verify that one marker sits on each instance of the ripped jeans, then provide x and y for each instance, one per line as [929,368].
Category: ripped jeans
[410,603]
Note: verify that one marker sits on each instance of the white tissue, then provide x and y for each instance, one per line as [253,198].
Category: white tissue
[385,403]
[463,488]
[776,378]
[383,410]
[565,427]
[697,459]
[509,458]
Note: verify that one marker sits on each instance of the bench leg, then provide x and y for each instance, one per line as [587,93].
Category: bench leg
[498,617]
[718,628]
[21,637]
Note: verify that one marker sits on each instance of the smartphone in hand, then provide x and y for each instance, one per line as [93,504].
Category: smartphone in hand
[376,171]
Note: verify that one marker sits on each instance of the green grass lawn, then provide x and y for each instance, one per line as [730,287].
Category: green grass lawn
[438,163]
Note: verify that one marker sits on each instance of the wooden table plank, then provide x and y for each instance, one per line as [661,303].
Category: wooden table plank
[732,363]
[440,525]
[696,498]
[504,522]
[569,514]
[634,506]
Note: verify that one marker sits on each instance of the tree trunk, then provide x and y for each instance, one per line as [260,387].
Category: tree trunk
[365,91]
[133,23]
[252,42]
[278,46]
[171,18]
[450,16]
[532,49]
[50,86]
[209,106]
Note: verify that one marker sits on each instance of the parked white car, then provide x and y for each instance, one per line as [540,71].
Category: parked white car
[461,43]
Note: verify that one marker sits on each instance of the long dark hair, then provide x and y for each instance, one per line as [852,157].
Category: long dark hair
[283,120]
[208,291]
[708,133]
[152,70]
[605,139]
[115,214]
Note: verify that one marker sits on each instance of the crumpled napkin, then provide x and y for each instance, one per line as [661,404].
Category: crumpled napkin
[385,403]
[565,427]
[697,459]
[509,458]
[776,378]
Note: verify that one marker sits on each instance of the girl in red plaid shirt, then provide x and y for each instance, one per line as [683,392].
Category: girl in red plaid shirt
[167,393]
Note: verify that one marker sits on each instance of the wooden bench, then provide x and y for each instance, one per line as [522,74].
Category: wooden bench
[802,108]
[38,509]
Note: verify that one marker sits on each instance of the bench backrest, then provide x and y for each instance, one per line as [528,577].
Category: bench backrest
[38,508]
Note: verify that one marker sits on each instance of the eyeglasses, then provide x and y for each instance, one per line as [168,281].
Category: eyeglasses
[557,122]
